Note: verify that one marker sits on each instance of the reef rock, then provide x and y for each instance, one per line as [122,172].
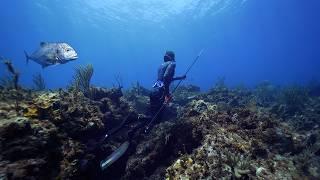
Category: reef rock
[236,144]
[221,134]
[51,137]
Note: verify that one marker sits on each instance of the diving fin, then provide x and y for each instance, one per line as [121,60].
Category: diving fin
[114,156]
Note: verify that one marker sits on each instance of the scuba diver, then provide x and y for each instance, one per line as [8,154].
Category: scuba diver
[159,98]
[161,88]
[160,95]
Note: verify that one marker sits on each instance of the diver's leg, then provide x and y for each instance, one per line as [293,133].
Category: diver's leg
[160,106]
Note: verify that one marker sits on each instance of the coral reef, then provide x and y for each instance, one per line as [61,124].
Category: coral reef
[52,136]
[267,132]
[294,98]
[138,96]
[239,144]
[265,94]
[232,136]
[185,94]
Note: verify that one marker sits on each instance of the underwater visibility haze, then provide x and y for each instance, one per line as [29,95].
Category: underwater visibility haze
[245,41]
[98,89]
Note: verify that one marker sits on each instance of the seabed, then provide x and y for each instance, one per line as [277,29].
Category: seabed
[266,132]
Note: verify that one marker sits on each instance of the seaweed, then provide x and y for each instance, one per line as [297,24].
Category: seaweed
[219,87]
[138,96]
[237,164]
[242,89]
[305,156]
[294,98]
[12,80]
[82,78]
[119,81]
[136,88]
[6,82]
[221,83]
[265,93]
[304,159]
[39,83]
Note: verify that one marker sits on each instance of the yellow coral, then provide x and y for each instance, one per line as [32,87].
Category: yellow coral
[177,164]
[189,161]
[183,169]
[242,147]
[32,112]
[46,100]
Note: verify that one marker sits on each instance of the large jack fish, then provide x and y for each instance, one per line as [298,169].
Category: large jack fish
[52,54]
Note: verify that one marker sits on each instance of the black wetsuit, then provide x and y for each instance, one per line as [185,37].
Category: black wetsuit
[166,74]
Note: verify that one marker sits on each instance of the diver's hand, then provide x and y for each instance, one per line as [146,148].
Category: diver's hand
[183,77]
[167,98]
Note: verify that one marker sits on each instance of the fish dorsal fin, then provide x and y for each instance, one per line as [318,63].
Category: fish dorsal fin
[42,44]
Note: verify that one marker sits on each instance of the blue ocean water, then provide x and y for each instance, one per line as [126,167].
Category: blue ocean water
[246,41]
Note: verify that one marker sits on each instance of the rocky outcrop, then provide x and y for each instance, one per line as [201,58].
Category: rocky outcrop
[29,148]
[50,136]
[238,144]
[221,134]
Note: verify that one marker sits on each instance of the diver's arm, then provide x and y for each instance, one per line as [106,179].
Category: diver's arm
[169,73]
[179,78]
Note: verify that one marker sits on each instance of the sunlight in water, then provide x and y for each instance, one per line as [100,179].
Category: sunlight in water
[141,11]
[156,10]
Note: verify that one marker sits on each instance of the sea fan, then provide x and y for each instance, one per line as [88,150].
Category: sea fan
[39,82]
[6,82]
[295,98]
[13,80]
[82,78]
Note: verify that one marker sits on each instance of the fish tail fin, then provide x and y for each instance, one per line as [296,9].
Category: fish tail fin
[27,57]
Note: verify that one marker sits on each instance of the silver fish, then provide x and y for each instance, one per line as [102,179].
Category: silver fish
[52,54]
